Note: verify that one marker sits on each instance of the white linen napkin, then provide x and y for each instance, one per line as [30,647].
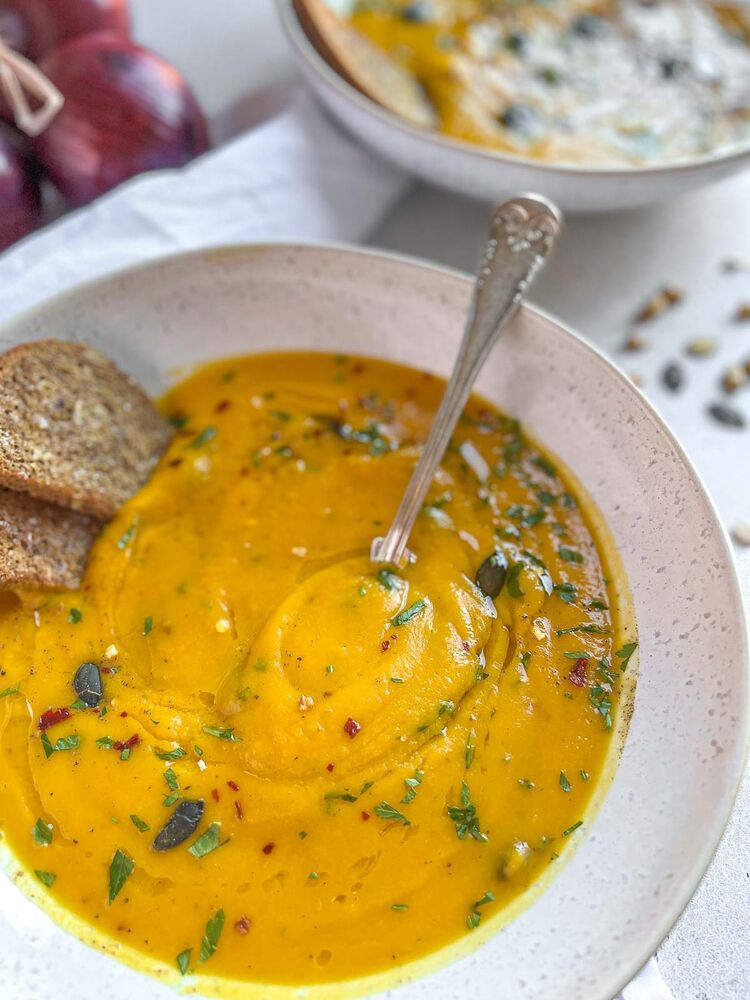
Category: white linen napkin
[295,177]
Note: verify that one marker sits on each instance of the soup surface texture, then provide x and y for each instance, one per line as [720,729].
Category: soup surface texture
[301,768]
[607,82]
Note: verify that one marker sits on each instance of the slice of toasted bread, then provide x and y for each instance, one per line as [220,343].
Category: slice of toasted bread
[41,544]
[75,430]
[364,65]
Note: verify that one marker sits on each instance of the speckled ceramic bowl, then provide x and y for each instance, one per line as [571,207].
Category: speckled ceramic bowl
[641,858]
[490,174]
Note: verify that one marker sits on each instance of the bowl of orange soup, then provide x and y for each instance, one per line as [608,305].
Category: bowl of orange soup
[305,775]
[599,105]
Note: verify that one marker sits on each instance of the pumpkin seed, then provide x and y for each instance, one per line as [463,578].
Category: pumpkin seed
[491,574]
[701,347]
[87,684]
[734,378]
[741,533]
[181,824]
[673,377]
[727,415]
[743,313]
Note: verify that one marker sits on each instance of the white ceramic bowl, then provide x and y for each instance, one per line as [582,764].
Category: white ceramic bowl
[485,173]
[640,860]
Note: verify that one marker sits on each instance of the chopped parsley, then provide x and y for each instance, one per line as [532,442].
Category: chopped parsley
[46,878]
[127,537]
[120,871]
[148,624]
[572,829]
[465,817]
[6,692]
[171,754]
[207,434]
[183,961]
[64,743]
[389,580]
[222,733]
[469,752]
[564,783]
[388,812]
[139,824]
[75,616]
[412,784]
[567,592]
[512,583]
[586,627]
[208,841]
[408,613]
[400,907]
[42,833]
[625,654]
[570,555]
[210,941]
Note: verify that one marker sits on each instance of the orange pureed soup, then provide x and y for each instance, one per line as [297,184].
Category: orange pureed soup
[282,763]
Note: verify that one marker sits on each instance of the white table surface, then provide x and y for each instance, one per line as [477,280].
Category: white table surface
[606,267]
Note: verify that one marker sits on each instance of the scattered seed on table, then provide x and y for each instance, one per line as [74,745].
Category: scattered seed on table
[726,415]
[636,379]
[734,378]
[741,533]
[701,347]
[665,298]
[673,377]
[747,366]
[743,313]
[731,265]
[635,343]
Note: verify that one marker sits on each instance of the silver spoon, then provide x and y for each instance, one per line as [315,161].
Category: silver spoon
[521,234]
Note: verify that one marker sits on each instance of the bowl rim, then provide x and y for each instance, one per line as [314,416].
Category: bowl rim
[304,47]
[738,757]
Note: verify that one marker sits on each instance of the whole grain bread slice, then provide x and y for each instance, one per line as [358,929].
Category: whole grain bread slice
[74,429]
[41,544]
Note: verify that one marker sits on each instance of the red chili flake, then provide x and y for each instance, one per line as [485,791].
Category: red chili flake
[238,810]
[395,635]
[243,925]
[108,670]
[385,645]
[358,368]
[128,744]
[123,715]
[351,728]
[577,675]
[365,815]
[268,848]
[222,405]
[466,646]
[330,767]
[52,716]
[175,462]
[215,794]
[234,786]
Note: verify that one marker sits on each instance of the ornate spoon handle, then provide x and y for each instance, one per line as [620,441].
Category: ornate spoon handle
[521,235]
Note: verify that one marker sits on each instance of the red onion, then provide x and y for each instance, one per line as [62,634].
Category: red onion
[20,203]
[33,27]
[126,111]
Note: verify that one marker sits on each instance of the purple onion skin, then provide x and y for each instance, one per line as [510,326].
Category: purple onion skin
[126,111]
[20,201]
[33,27]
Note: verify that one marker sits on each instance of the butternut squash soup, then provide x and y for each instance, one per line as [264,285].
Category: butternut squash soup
[242,750]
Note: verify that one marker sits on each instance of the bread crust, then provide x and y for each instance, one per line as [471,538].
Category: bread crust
[74,429]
